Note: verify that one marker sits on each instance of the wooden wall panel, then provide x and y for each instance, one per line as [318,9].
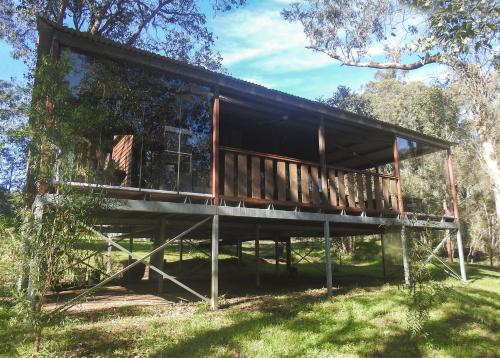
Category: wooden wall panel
[229,174]
[281,180]
[242,176]
[333,188]
[294,189]
[256,191]
[269,178]
[304,182]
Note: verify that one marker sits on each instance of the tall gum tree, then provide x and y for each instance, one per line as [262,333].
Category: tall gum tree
[460,34]
[176,28]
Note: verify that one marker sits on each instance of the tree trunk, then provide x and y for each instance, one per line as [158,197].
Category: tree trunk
[491,164]
[449,245]
[38,338]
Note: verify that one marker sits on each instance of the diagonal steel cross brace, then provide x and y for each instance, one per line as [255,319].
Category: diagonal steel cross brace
[73,301]
[303,257]
[432,254]
[117,238]
[197,248]
[306,259]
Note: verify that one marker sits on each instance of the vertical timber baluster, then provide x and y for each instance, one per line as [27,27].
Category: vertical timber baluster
[242,176]
[333,188]
[281,180]
[229,174]
[269,178]
[369,191]
[294,189]
[351,196]
[341,178]
[304,181]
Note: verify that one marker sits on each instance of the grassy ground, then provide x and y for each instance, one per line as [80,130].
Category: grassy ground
[289,316]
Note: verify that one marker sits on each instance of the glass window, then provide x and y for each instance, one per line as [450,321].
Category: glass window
[424,180]
[152,131]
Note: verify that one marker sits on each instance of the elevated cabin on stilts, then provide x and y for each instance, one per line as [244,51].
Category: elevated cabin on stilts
[184,146]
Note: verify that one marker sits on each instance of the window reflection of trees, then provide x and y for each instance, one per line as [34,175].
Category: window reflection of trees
[424,178]
[166,120]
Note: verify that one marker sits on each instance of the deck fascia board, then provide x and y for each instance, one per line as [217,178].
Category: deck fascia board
[157,207]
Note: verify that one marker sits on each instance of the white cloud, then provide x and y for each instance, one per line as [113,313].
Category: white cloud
[428,74]
[264,40]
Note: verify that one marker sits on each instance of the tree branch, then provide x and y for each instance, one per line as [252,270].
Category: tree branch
[62,12]
[94,27]
[145,21]
[379,65]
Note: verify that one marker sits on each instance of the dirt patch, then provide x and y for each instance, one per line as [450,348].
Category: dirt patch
[111,297]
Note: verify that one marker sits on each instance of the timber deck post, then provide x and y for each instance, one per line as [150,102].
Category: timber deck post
[397,173]
[328,259]
[276,255]
[130,246]
[383,254]
[214,294]
[322,159]
[257,255]
[215,146]
[461,254]
[108,258]
[454,202]
[406,260]
[239,252]
[181,253]
[289,255]
[161,258]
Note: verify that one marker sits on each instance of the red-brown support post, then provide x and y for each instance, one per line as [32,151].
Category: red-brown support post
[454,204]
[453,187]
[215,146]
[398,177]
[322,160]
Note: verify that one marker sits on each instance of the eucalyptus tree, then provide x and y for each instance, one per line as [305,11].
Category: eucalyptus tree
[460,34]
[12,140]
[345,98]
[176,28]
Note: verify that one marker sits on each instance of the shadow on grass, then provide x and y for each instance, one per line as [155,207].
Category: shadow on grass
[12,335]
[293,324]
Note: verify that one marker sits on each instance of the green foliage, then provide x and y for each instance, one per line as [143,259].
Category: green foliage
[13,110]
[175,28]
[414,105]
[462,27]
[344,98]
[50,230]
[424,293]
[434,30]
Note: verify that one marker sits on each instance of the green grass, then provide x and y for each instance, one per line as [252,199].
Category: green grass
[365,318]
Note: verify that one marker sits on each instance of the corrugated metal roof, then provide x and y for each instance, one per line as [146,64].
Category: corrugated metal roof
[251,88]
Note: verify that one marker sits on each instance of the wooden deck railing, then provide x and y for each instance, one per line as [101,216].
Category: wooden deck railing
[271,179]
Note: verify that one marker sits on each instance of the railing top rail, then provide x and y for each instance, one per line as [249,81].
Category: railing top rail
[300,161]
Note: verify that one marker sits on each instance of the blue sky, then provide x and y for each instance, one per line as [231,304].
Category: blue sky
[257,45]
